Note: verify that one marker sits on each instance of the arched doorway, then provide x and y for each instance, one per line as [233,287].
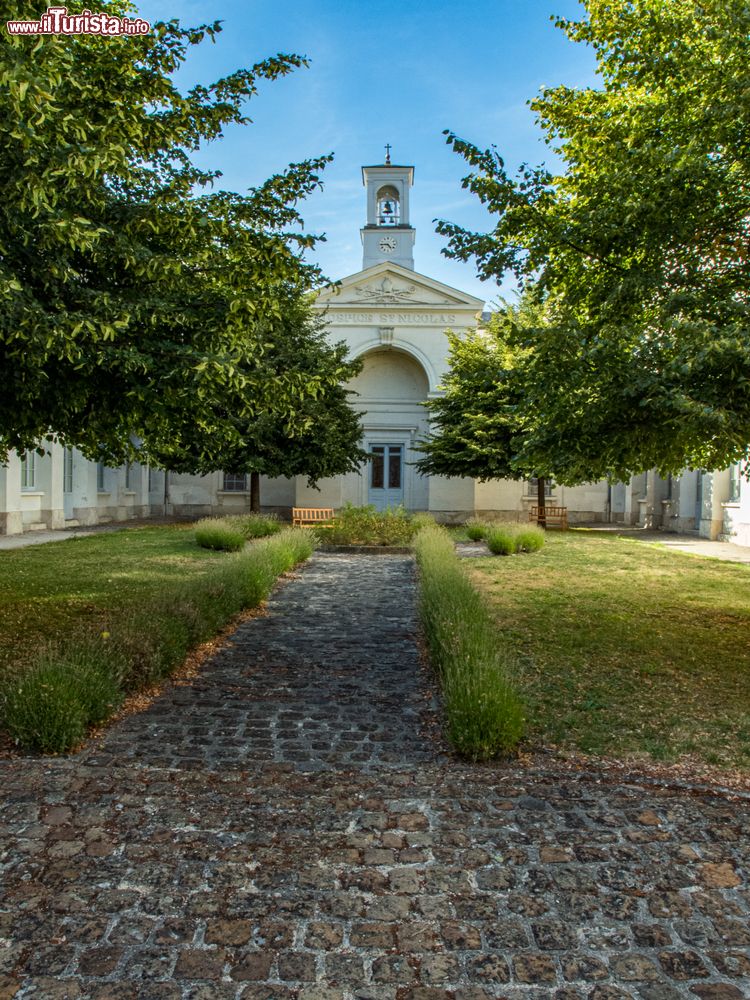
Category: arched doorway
[391,388]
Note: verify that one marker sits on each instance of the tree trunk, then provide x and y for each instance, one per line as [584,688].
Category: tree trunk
[255,492]
[541,500]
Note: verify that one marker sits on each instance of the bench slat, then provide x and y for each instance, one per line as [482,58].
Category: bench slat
[307,517]
[552,515]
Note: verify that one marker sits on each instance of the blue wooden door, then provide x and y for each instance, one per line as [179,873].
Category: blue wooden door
[386,487]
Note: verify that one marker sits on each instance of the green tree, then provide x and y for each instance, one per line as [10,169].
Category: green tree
[321,441]
[135,300]
[479,426]
[639,244]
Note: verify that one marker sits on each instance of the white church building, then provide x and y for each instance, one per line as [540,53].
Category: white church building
[395,319]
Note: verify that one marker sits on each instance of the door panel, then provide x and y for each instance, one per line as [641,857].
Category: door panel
[386,484]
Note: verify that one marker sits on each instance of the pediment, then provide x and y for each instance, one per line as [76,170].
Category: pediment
[392,285]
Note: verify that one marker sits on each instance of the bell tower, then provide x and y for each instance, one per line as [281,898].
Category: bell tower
[388,236]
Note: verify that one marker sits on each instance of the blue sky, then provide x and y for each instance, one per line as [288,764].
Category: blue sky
[397,72]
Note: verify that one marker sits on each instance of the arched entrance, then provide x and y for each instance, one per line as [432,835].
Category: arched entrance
[391,389]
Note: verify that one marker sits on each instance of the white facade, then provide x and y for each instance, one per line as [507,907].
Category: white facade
[63,489]
[395,319]
[714,505]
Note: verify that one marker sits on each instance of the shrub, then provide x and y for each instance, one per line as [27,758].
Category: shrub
[255,525]
[483,710]
[529,539]
[422,520]
[368,526]
[501,541]
[476,530]
[229,534]
[151,652]
[99,672]
[218,533]
[42,711]
[50,704]
[505,539]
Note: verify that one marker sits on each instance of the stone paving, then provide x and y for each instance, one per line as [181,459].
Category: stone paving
[331,677]
[290,827]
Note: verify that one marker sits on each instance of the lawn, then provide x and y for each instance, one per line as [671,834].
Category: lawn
[627,648]
[49,592]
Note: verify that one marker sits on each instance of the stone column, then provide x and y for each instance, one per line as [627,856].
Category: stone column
[11,518]
[49,481]
[634,492]
[85,500]
[715,493]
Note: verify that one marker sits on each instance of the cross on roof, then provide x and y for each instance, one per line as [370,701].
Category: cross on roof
[388,154]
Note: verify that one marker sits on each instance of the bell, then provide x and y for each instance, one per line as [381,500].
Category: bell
[387,208]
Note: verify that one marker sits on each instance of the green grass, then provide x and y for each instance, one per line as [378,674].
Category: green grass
[507,539]
[484,714]
[628,648]
[502,538]
[229,534]
[476,530]
[127,608]
[215,533]
[254,525]
[529,538]
[48,592]
[50,705]
[501,541]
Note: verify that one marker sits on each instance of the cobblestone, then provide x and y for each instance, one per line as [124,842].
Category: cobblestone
[289,827]
[330,677]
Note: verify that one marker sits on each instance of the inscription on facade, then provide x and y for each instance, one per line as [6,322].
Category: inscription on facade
[393,318]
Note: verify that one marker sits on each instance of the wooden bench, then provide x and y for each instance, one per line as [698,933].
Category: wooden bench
[552,516]
[312,517]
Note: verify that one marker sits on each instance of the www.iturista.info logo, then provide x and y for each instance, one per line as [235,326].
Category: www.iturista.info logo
[57,21]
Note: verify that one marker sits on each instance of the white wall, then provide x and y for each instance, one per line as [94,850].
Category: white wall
[508,499]
[737,513]
[11,517]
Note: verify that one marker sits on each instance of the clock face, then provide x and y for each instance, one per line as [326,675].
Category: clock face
[387,244]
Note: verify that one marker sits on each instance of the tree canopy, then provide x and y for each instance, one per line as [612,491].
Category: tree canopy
[477,427]
[323,437]
[638,246]
[139,303]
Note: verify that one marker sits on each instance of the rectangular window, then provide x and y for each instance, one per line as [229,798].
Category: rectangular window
[735,472]
[533,487]
[235,482]
[68,470]
[377,473]
[128,476]
[28,471]
[150,479]
[100,476]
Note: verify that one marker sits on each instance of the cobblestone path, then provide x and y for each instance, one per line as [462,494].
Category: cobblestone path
[288,828]
[331,677]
